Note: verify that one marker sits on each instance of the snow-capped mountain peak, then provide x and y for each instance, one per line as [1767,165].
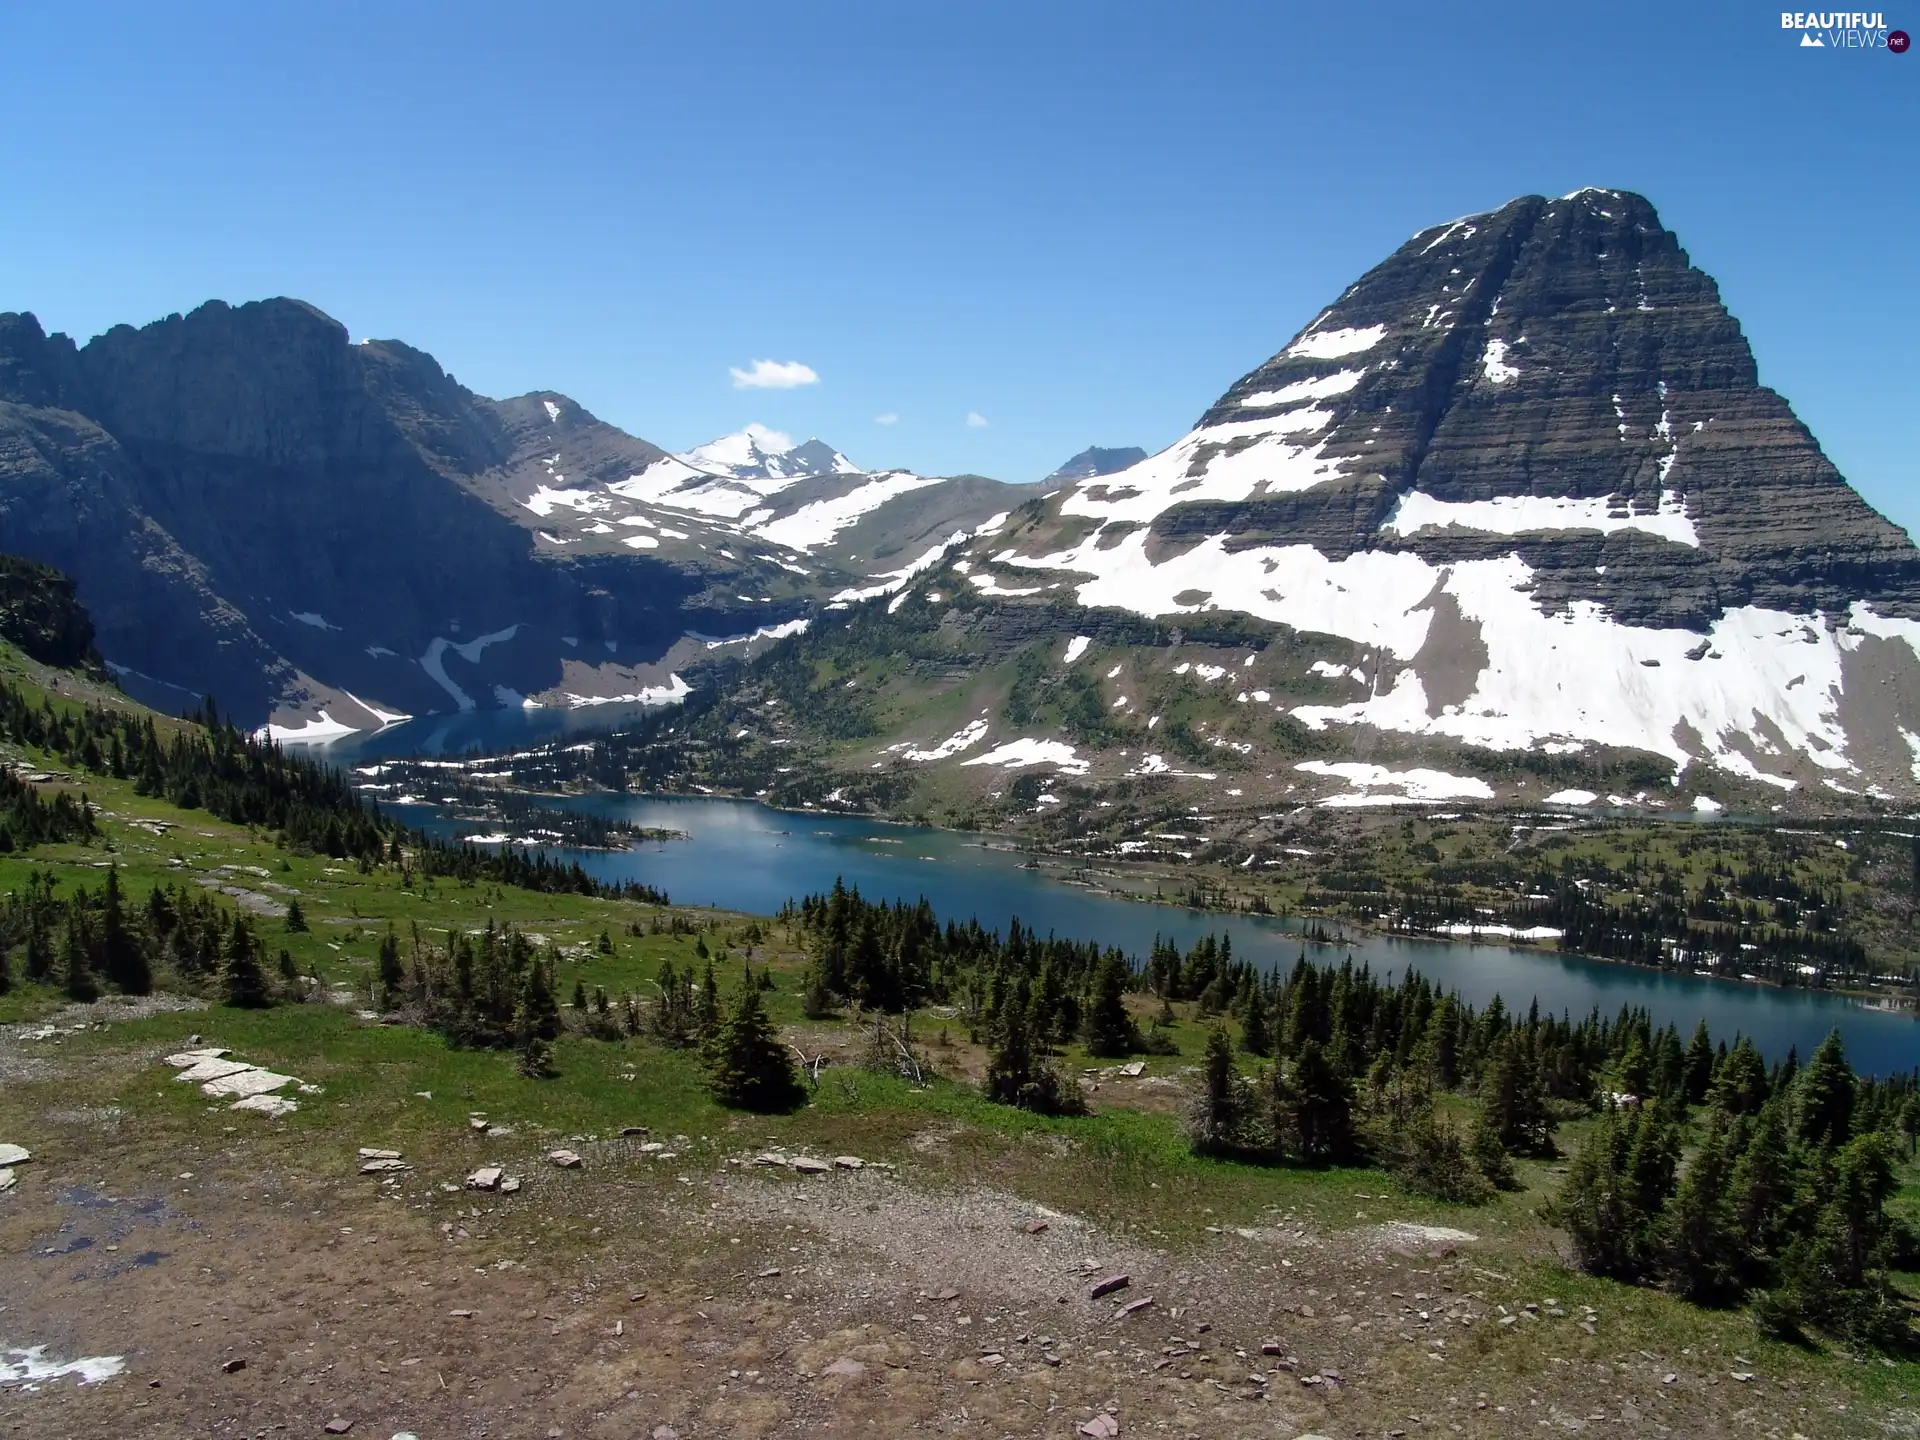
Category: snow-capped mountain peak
[761,453]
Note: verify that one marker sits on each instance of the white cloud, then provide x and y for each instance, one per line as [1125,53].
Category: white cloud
[773,375]
[889,418]
[975,420]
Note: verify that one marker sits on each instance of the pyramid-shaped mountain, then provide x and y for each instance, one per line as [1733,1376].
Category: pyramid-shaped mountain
[1523,477]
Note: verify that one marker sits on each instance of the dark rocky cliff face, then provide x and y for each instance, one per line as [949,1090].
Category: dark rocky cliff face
[1569,348]
[1097,460]
[249,501]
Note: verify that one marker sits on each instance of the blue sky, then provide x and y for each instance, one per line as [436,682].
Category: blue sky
[1078,222]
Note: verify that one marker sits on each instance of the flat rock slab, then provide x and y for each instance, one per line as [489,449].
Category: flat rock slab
[564,1159]
[845,1365]
[367,1152]
[1109,1285]
[14,1155]
[510,1185]
[1100,1427]
[269,1105]
[487,1177]
[247,1082]
[849,1162]
[383,1167]
[7,1179]
[805,1165]
[1134,1307]
[212,1068]
[187,1059]
[772,1157]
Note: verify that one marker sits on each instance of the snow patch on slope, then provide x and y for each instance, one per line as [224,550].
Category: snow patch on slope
[1519,514]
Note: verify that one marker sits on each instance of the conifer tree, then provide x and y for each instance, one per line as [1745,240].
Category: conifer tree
[1217,1124]
[1255,1037]
[747,1065]
[387,970]
[245,982]
[1110,1028]
[122,956]
[1824,1095]
[1740,1087]
[296,917]
[1489,1154]
[1319,1117]
[1511,1092]
[1697,1073]
[1702,1249]
[706,1012]
[76,966]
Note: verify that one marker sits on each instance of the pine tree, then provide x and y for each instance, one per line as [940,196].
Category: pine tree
[1740,1087]
[816,1001]
[706,1012]
[579,996]
[747,1065]
[245,982]
[1824,1096]
[1217,1123]
[1018,1073]
[296,917]
[1489,1154]
[76,965]
[1702,1244]
[537,1014]
[1595,1204]
[1319,1119]
[1255,1037]
[122,956]
[1110,1028]
[1510,1091]
[387,970]
[1697,1073]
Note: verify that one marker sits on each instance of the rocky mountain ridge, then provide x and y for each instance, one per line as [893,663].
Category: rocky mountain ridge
[334,534]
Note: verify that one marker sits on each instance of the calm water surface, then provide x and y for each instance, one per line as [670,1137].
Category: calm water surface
[740,855]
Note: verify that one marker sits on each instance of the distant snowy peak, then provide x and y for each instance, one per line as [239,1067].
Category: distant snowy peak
[759,453]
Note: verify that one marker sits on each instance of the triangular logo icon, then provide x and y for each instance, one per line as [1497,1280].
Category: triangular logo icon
[1809,42]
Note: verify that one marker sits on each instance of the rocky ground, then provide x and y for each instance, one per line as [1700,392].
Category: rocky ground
[250,1279]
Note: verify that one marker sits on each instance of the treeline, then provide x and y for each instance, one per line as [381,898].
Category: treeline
[1670,931]
[28,818]
[1783,1204]
[87,941]
[211,764]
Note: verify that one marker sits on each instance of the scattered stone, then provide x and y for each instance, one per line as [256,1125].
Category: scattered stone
[1743,1376]
[1668,1378]
[368,1153]
[1100,1427]
[947,1294]
[1109,1285]
[627,1132]
[7,1179]
[11,1155]
[477,1123]
[211,1068]
[384,1167]
[652,1147]
[487,1177]
[1134,1069]
[510,1185]
[770,1273]
[187,1059]
[665,1432]
[497,1132]
[806,1165]
[337,1426]
[228,1367]
[246,1083]
[1128,1311]
[461,1314]
[845,1365]
[564,1159]
[1036,1227]
[849,1162]
[1271,1347]
[273,1106]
